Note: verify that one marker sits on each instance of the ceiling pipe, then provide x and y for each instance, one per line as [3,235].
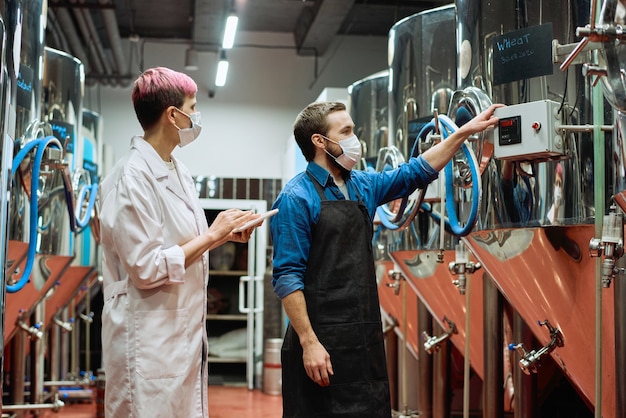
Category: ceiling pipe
[95,38]
[58,37]
[90,34]
[110,22]
[95,59]
[75,45]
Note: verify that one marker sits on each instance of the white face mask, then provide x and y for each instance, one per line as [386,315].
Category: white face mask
[188,135]
[351,148]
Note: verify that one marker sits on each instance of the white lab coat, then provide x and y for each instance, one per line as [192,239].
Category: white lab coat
[154,316]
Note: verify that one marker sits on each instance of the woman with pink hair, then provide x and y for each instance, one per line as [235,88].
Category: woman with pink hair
[155,242]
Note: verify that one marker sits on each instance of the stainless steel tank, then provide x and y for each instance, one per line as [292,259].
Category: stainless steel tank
[368,106]
[422,72]
[6,157]
[535,223]
[26,22]
[63,91]
[527,195]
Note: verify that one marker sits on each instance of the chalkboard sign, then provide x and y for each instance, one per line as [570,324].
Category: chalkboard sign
[521,54]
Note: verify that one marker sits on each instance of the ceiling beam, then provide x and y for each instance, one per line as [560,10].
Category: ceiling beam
[318,25]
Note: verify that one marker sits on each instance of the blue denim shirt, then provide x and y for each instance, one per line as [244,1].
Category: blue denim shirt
[299,210]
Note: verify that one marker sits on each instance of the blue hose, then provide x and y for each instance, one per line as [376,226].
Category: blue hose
[93,192]
[384,219]
[41,144]
[453,220]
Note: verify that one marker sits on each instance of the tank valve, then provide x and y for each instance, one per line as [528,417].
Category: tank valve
[530,361]
[396,276]
[461,266]
[33,331]
[65,325]
[433,344]
[611,245]
[87,318]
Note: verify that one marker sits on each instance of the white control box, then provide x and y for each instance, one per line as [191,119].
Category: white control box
[529,131]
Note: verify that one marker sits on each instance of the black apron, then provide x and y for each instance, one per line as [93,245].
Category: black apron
[342,303]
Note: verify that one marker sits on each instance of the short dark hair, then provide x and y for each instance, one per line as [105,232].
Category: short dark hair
[313,120]
[156,89]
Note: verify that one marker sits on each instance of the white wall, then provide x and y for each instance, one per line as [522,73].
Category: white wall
[248,123]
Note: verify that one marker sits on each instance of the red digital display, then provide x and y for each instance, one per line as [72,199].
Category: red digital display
[506,123]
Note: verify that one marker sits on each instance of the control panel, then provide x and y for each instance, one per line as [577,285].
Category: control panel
[529,131]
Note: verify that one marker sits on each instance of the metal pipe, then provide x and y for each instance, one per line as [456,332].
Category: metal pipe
[391,348]
[54,356]
[77,383]
[6,158]
[18,367]
[493,389]
[110,22]
[597,99]
[425,364]
[584,128]
[66,349]
[96,59]
[620,351]
[38,358]
[66,22]
[466,354]
[95,39]
[55,406]
[442,397]
[525,399]
[57,35]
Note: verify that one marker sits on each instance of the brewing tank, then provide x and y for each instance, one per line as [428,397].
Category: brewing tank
[422,72]
[532,192]
[368,106]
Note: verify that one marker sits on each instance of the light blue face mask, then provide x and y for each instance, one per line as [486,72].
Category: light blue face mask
[188,135]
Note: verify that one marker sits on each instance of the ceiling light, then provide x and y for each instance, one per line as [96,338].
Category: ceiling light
[191,59]
[229,31]
[222,70]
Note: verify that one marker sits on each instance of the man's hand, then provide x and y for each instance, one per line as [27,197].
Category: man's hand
[317,363]
[482,121]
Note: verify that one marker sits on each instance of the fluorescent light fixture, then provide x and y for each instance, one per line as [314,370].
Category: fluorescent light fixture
[229,31]
[191,59]
[222,70]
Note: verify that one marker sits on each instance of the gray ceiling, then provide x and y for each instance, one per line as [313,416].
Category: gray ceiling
[313,23]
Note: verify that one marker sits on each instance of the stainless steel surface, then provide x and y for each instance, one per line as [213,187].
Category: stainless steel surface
[422,62]
[6,157]
[493,323]
[368,104]
[522,194]
[525,401]
[28,23]
[442,388]
[613,58]
[425,365]
[620,346]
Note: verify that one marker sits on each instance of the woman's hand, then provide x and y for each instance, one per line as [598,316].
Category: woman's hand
[242,236]
[227,220]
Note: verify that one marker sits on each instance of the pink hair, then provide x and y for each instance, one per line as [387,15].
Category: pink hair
[156,89]
[559,169]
